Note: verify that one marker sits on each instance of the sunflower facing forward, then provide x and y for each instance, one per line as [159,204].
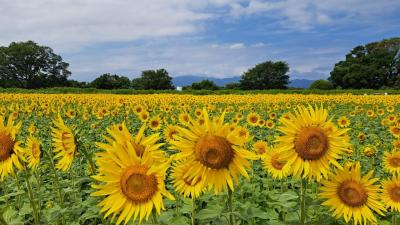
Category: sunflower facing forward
[63,143]
[273,163]
[10,150]
[214,151]
[311,142]
[391,162]
[351,195]
[132,185]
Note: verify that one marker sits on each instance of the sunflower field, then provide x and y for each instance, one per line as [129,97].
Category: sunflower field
[274,159]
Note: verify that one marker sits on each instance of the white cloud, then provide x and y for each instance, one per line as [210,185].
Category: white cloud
[258,45]
[237,46]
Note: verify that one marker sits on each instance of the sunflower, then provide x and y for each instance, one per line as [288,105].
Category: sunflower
[188,187]
[391,193]
[361,136]
[184,118]
[343,121]
[132,185]
[396,144]
[260,147]
[252,119]
[32,152]
[395,131]
[351,195]
[32,128]
[276,166]
[64,144]
[369,151]
[141,143]
[215,153]
[270,124]
[10,151]
[144,116]
[311,142]
[391,162]
[155,123]
[170,132]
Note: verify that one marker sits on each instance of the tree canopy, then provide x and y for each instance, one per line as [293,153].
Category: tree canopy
[108,81]
[266,75]
[153,79]
[321,85]
[373,65]
[204,85]
[28,65]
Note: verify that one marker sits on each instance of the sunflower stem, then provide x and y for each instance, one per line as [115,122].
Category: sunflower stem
[230,209]
[88,157]
[154,214]
[193,211]
[31,198]
[303,201]
[394,219]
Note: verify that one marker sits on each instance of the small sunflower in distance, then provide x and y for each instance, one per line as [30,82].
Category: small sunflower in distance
[10,151]
[64,144]
[252,119]
[395,131]
[188,187]
[391,162]
[32,152]
[133,186]
[343,122]
[311,142]
[391,193]
[214,151]
[170,132]
[155,123]
[273,163]
[351,195]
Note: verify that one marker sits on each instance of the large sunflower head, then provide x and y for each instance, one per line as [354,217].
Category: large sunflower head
[188,187]
[391,193]
[275,165]
[132,186]
[214,151]
[120,134]
[311,142]
[64,144]
[10,150]
[351,195]
[391,162]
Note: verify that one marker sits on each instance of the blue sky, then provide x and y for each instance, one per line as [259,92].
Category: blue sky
[216,38]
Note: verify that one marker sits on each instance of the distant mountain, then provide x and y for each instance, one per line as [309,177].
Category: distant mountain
[300,83]
[189,79]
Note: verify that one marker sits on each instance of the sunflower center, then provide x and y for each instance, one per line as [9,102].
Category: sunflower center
[352,193]
[276,163]
[6,146]
[137,185]
[394,162]
[311,143]
[154,123]
[172,133]
[139,149]
[253,119]
[214,152]
[394,193]
[35,150]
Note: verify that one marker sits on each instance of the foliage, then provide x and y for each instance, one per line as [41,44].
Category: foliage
[321,85]
[267,75]
[203,85]
[28,65]
[369,66]
[153,79]
[108,81]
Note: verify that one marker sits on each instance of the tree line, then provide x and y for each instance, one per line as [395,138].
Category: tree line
[375,65]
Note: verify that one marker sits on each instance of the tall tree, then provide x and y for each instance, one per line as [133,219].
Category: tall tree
[153,79]
[266,75]
[28,65]
[108,81]
[204,85]
[369,66]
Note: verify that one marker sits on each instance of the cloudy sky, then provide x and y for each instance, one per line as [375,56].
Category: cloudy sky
[218,38]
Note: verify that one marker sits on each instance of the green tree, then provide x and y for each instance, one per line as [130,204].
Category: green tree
[204,85]
[321,85]
[369,66]
[108,81]
[28,65]
[266,75]
[153,79]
